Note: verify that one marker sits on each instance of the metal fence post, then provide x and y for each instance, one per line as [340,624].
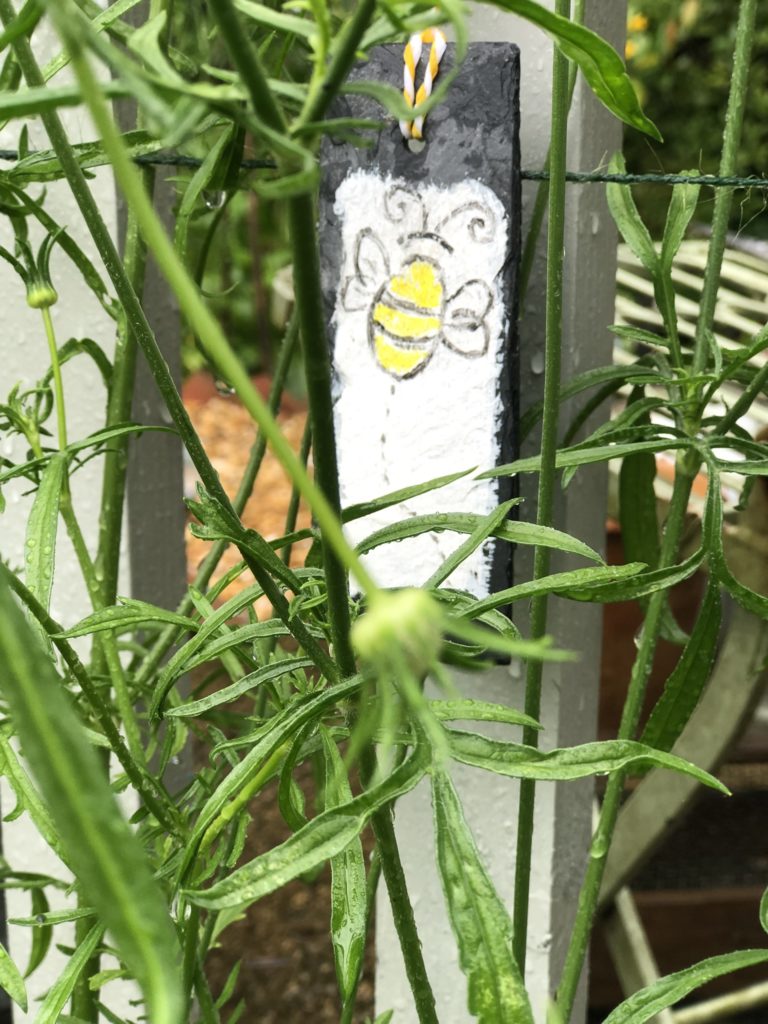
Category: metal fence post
[563,820]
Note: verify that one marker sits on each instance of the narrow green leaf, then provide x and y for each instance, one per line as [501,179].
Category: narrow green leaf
[43,930]
[640,525]
[107,858]
[324,837]
[637,509]
[479,535]
[682,207]
[40,541]
[366,508]
[479,711]
[487,640]
[632,333]
[43,165]
[42,99]
[302,27]
[61,990]
[11,980]
[245,685]
[578,456]
[641,585]
[686,683]
[712,529]
[104,19]
[645,1004]
[628,220]
[127,615]
[479,919]
[469,523]
[612,377]
[213,625]
[575,581]
[110,433]
[88,347]
[236,789]
[602,758]
[600,64]
[348,883]
[23,24]
[209,652]
[43,919]
[290,796]
[26,794]
[199,181]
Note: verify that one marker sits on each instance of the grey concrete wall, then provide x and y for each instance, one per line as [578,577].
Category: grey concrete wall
[563,817]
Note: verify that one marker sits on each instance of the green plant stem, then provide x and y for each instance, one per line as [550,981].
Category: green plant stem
[317,365]
[293,505]
[342,58]
[317,369]
[105,644]
[192,305]
[400,901]
[546,489]
[85,1002]
[542,192]
[686,469]
[734,121]
[246,60]
[58,384]
[151,791]
[119,411]
[207,567]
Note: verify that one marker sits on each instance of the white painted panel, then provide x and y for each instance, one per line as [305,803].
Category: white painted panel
[420,331]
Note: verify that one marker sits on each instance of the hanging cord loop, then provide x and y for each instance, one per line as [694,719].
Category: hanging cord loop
[411,56]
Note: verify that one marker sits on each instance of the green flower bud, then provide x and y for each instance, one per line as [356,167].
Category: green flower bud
[41,295]
[405,621]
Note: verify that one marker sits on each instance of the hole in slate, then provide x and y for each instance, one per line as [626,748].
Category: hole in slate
[416,145]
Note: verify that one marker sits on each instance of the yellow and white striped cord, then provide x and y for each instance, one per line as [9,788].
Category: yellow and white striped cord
[412,55]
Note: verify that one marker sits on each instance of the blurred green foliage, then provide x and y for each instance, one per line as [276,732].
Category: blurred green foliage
[238,245]
[679,53]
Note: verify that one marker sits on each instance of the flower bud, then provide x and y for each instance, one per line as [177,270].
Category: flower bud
[41,295]
[405,621]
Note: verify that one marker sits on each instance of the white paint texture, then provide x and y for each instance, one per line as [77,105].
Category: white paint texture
[420,331]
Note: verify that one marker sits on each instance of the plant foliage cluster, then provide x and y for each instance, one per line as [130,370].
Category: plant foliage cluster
[97,708]
[680,56]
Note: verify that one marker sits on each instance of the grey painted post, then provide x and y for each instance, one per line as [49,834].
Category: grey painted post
[570,692]
[152,557]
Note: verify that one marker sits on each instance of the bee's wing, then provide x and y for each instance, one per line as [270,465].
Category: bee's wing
[371,270]
[464,327]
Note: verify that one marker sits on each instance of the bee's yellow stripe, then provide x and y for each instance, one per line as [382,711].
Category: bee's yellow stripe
[413,326]
[419,285]
[399,361]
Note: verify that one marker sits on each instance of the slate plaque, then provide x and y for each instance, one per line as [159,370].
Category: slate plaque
[419,256]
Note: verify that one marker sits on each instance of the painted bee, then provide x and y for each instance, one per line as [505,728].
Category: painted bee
[411,310]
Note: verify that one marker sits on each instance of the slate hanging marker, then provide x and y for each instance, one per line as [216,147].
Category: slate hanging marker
[419,255]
